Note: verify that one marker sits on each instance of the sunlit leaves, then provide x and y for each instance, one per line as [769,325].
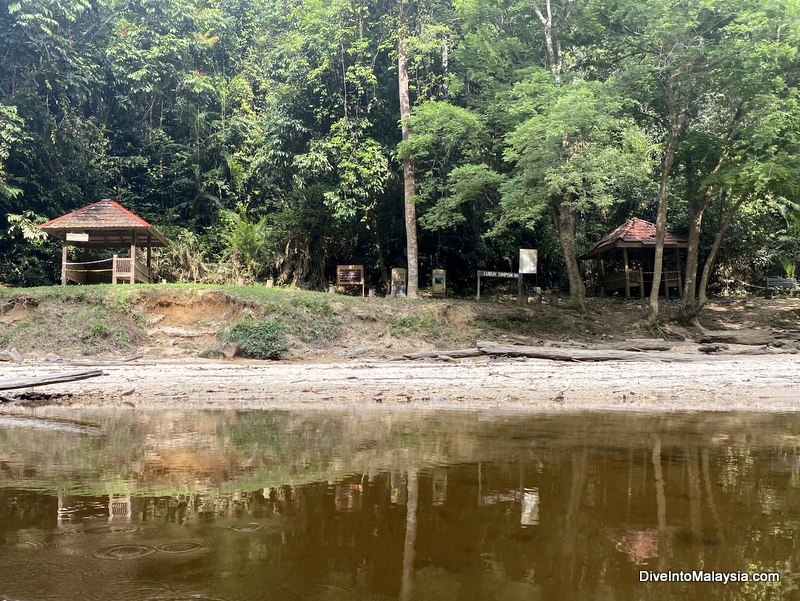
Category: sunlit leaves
[579,146]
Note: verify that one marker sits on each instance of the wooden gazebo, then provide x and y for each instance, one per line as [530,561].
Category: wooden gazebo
[105,224]
[625,258]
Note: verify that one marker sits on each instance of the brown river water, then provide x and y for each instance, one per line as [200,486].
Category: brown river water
[373,505]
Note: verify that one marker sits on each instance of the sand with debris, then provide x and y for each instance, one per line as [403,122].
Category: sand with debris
[659,382]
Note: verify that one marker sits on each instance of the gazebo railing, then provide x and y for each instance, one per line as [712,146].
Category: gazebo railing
[125,268]
[89,271]
[622,280]
[106,271]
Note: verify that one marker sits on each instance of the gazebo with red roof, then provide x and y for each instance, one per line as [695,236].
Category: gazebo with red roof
[105,224]
[632,247]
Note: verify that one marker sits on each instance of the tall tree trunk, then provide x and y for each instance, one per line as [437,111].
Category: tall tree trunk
[564,219]
[690,312]
[676,118]
[553,49]
[697,209]
[692,255]
[409,184]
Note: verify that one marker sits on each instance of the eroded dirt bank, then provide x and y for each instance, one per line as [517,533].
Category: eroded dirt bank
[748,383]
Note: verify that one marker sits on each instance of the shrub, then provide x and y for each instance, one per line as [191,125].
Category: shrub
[258,339]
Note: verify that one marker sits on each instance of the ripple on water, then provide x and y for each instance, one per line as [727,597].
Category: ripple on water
[319,591]
[99,529]
[179,547]
[44,579]
[247,528]
[31,538]
[121,552]
[156,591]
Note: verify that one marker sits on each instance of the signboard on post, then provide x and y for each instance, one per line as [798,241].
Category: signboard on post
[527,264]
[350,275]
[528,258]
[494,274]
[439,283]
[398,289]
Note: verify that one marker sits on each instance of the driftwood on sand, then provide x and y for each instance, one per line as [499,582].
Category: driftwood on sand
[51,379]
[578,354]
[629,352]
[746,337]
[641,349]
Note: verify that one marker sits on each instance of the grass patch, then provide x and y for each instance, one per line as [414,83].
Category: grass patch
[65,325]
[259,339]
[400,327]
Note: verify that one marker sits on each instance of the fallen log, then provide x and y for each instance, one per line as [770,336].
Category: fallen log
[641,345]
[712,348]
[786,335]
[52,379]
[556,354]
[98,361]
[573,355]
[454,354]
[747,337]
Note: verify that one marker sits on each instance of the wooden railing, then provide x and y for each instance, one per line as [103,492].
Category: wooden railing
[129,270]
[97,272]
[622,280]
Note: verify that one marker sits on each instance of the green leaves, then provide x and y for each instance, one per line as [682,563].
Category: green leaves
[579,146]
[10,133]
[248,245]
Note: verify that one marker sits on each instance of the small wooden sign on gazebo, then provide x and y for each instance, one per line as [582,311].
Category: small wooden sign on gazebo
[105,224]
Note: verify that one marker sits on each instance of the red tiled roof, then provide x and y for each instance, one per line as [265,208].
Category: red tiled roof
[636,232]
[108,225]
[103,214]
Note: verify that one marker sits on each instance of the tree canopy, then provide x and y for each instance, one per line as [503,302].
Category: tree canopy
[276,138]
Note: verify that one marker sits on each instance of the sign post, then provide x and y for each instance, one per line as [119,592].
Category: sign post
[350,275]
[527,264]
[398,289]
[494,274]
[439,283]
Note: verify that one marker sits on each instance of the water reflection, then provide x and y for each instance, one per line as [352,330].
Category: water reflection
[276,505]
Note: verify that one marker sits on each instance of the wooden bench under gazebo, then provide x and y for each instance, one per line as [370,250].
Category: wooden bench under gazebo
[625,259]
[107,225]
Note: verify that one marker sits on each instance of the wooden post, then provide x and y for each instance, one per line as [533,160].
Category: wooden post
[133,258]
[627,274]
[64,264]
[149,253]
[114,269]
[678,267]
[479,286]
[519,290]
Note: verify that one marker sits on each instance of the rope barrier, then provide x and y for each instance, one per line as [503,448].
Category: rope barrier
[89,270]
[89,262]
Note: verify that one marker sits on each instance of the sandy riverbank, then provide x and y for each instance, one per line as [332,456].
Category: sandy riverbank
[742,383]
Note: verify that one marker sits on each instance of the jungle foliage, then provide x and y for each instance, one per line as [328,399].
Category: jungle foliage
[264,137]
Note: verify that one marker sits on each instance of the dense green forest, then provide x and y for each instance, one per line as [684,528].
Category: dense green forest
[277,138]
